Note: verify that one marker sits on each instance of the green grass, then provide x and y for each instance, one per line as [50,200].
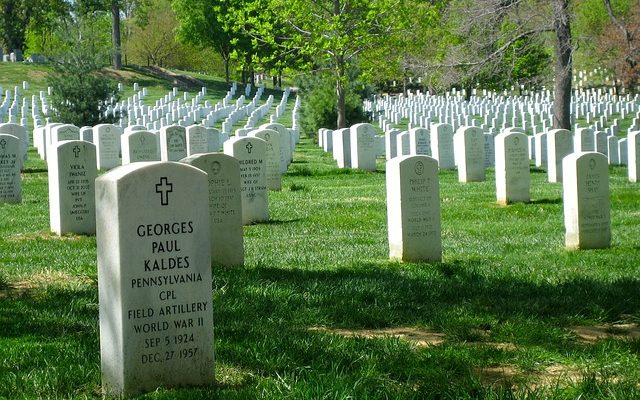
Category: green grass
[505,299]
[505,296]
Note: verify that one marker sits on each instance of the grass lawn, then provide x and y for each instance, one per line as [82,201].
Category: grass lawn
[319,312]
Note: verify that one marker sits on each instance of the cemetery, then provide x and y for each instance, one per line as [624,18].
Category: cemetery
[289,218]
[295,258]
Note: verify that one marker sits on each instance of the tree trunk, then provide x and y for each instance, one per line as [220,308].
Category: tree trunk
[115,33]
[563,67]
[226,69]
[340,103]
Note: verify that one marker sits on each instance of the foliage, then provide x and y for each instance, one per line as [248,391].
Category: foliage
[152,40]
[319,103]
[81,95]
[207,24]
[18,16]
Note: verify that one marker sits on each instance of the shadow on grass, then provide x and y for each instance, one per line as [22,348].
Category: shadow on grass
[262,316]
[547,201]
[34,170]
[280,221]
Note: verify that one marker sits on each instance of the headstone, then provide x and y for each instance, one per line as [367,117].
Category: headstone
[623,152]
[489,150]
[559,145]
[342,147]
[86,134]
[285,144]
[19,132]
[62,132]
[106,137]
[72,174]
[173,143]
[197,140]
[139,146]
[44,142]
[612,150]
[391,144]
[251,154]
[633,158]
[512,168]
[587,206]
[600,142]
[583,140]
[542,152]
[413,209]
[471,151]
[225,206]
[214,140]
[154,278]
[403,146]
[272,156]
[420,141]
[10,162]
[442,145]
[363,149]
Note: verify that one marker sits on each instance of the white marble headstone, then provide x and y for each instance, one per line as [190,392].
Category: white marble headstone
[225,206]
[173,143]
[154,278]
[139,146]
[342,147]
[363,147]
[72,174]
[10,162]
[442,145]
[583,140]
[419,141]
[559,145]
[272,156]
[197,140]
[512,168]
[21,133]
[106,137]
[413,209]
[470,140]
[633,158]
[587,206]
[251,154]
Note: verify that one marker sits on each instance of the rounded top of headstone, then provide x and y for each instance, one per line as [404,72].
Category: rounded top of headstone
[122,172]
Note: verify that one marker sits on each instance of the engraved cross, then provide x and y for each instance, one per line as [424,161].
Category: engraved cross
[164,188]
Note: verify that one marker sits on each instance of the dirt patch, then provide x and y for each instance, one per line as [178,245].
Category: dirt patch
[41,280]
[41,235]
[552,375]
[17,289]
[118,74]
[498,375]
[418,337]
[591,334]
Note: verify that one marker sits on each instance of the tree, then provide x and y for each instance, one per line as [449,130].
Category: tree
[625,43]
[332,33]
[563,66]
[205,23]
[482,35]
[153,37]
[115,34]
[113,7]
[17,15]
[81,96]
